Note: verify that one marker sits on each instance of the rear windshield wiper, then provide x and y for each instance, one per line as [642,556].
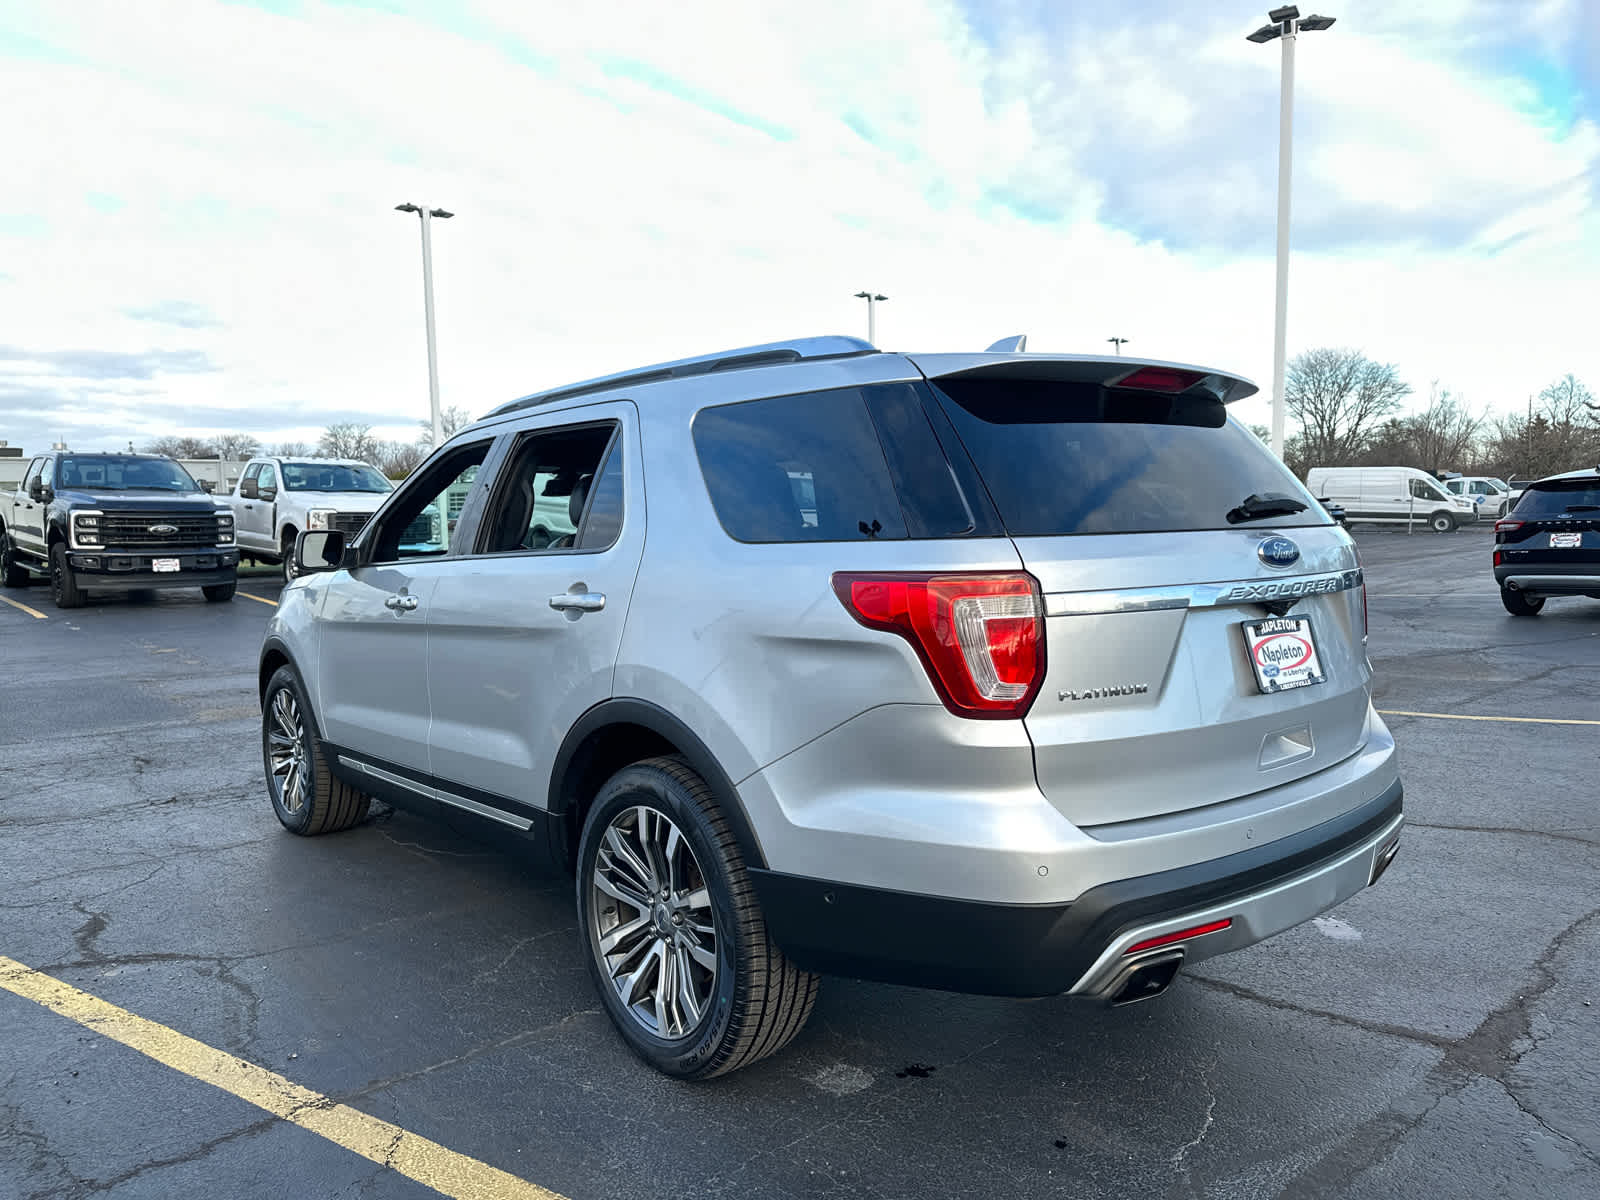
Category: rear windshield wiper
[1254,508]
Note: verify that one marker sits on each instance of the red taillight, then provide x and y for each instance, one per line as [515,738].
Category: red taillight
[1160,379]
[1497,558]
[1182,935]
[1507,526]
[981,637]
[1365,627]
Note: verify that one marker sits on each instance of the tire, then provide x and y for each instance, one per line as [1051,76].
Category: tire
[305,794]
[220,593]
[1442,522]
[64,588]
[12,573]
[751,1000]
[1520,604]
[290,571]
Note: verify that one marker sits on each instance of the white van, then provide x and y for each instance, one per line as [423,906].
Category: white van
[1391,496]
[1491,495]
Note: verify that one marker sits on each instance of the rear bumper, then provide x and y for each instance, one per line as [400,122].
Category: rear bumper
[1554,579]
[98,571]
[1078,948]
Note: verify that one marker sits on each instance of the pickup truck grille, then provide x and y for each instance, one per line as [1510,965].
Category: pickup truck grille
[349,524]
[133,529]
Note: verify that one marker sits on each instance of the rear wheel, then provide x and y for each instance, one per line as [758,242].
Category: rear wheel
[12,573]
[305,794]
[1442,522]
[675,939]
[64,588]
[1520,604]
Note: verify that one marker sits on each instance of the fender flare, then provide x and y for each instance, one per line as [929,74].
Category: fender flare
[628,711]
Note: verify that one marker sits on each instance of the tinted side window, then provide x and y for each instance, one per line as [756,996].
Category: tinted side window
[932,501]
[419,523]
[33,473]
[804,468]
[267,481]
[603,525]
[47,473]
[545,490]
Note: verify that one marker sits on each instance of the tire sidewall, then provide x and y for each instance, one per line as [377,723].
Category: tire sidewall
[290,571]
[652,787]
[286,679]
[63,590]
[1442,522]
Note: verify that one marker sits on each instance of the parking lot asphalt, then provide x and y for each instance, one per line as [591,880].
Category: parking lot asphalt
[1434,1036]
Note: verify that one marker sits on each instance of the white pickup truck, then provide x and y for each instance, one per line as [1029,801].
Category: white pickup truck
[277,499]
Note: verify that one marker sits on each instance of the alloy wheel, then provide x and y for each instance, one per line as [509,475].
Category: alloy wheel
[651,925]
[286,749]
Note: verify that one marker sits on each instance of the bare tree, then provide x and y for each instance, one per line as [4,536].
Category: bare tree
[167,445]
[1338,396]
[1442,435]
[399,459]
[1568,404]
[236,447]
[291,450]
[349,439]
[450,420]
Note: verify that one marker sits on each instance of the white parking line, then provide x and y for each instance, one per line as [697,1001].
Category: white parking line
[1395,712]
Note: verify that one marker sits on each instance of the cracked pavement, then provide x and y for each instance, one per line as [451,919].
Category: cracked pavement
[1439,1039]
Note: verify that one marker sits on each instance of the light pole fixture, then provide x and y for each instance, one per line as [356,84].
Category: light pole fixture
[426,214]
[872,299]
[1117,342]
[1287,24]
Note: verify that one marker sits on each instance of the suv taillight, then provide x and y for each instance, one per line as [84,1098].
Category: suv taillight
[1504,526]
[1365,627]
[981,637]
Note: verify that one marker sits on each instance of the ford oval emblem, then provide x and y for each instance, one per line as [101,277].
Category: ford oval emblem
[1278,552]
[163,530]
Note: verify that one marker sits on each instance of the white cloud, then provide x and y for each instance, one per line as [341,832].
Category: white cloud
[659,180]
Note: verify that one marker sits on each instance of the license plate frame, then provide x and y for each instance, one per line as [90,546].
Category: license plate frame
[166,566]
[1268,643]
[1572,540]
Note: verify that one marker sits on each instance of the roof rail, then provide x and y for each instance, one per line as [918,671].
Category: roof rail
[765,355]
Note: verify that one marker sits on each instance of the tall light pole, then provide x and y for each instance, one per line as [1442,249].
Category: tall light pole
[871,298]
[1117,342]
[427,307]
[1287,24]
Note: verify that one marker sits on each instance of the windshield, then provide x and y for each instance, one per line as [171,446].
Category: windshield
[1068,458]
[123,472]
[1558,497]
[333,477]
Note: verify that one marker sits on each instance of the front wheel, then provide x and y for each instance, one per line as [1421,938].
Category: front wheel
[291,569]
[1442,522]
[673,933]
[1520,604]
[305,794]
[64,588]
[220,593]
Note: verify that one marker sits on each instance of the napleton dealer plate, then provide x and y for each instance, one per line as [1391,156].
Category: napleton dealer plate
[1283,651]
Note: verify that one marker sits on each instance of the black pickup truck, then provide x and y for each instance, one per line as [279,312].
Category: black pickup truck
[114,522]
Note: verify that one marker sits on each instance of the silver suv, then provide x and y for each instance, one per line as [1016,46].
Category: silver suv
[1007,673]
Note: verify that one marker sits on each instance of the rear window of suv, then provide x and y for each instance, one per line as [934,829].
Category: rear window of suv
[1070,457]
[1561,498]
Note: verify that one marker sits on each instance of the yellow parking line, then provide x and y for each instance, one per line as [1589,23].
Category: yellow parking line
[1394,712]
[415,1157]
[259,599]
[32,612]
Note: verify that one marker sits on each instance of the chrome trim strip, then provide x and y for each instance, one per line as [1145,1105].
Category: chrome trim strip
[483,810]
[410,785]
[1198,595]
[1256,915]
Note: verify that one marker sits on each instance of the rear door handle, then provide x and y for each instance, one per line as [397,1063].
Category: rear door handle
[579,601]
[401,603]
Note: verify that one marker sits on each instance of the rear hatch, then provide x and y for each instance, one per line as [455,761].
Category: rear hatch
[1555,527]
[1204,616]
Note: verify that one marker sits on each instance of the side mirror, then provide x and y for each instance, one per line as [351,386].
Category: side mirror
[248,489]
[268,494]
[36,490]
[319,550]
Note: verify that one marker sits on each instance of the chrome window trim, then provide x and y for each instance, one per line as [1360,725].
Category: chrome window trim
[1198,595]
[437,793]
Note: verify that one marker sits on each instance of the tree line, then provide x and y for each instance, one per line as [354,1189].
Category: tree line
[344,439]
[1350,413]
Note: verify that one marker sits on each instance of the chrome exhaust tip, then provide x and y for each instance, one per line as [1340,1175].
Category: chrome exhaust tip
[1145,979]
[1380,864]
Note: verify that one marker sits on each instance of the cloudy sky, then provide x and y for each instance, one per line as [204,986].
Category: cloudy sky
[197,231]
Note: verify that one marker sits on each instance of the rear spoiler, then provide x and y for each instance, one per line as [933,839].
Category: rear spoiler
[1140,374]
